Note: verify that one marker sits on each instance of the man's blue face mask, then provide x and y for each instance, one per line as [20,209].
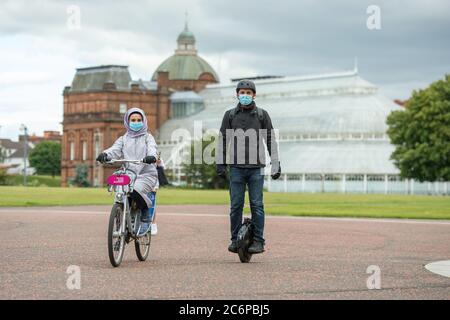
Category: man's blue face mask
[245,99]
[136,126]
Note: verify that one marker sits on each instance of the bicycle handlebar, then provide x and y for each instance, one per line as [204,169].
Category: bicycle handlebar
[120,161]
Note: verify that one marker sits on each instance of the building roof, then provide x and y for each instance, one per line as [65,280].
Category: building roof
[146,85]
[94,78]
[19,153]
[256,78]
[183,96]
[338,107]
[328,104]
[9,144]
[185,67]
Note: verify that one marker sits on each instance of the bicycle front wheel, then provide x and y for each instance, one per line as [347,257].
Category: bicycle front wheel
[116,241]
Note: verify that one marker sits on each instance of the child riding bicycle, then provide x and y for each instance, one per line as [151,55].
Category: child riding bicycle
[137,143]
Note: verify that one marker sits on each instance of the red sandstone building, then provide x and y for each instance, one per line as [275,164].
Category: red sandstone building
[99,96]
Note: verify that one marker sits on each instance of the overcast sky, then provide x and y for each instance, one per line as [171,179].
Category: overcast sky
[39,48]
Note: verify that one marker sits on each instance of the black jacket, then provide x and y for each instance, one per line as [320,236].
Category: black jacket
[246,131]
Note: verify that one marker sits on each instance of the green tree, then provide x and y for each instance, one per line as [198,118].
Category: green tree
[203,175]
[2,154]
[421,134]
[46,158]
[81,176]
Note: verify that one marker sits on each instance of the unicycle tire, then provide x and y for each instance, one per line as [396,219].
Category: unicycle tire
[244,256]
[244,240]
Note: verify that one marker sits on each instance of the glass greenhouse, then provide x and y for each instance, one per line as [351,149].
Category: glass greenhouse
[332,133]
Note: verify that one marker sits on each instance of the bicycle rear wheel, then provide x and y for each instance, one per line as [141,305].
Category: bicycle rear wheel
[142,246]
[116,242]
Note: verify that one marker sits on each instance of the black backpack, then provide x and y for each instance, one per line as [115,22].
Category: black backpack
[258,110]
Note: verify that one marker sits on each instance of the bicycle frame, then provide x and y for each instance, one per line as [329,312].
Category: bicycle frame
[122,183]
[122,189]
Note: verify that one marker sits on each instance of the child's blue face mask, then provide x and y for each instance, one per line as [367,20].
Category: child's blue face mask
[136,126]
[245,99]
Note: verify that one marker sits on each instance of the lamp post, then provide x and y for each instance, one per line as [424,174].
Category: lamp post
[25,151]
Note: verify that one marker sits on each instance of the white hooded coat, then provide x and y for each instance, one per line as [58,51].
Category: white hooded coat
[137,148]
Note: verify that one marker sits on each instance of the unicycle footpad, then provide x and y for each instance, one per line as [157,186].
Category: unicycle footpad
[244,240]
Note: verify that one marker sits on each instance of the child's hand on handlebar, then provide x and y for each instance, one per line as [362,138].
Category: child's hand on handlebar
[149,159]
[103,157]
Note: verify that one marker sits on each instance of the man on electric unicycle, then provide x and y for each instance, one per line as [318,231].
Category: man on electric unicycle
[243,130]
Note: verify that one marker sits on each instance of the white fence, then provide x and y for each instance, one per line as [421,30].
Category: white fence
[354,183]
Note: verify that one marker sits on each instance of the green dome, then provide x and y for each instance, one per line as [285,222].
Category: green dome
[185,64]
[185,67]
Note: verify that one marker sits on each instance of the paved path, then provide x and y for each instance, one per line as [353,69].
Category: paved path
[305,258]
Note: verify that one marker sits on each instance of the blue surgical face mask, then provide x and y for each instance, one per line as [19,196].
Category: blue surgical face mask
[245,99]
[136,126]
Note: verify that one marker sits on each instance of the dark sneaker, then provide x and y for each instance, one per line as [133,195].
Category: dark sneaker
[233,246]
[256,247]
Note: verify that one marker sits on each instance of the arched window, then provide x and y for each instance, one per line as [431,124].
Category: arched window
[71,147]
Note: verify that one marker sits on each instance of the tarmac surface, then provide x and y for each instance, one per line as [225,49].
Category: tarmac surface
[305,258]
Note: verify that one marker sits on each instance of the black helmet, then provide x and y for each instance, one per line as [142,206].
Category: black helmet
[246,84]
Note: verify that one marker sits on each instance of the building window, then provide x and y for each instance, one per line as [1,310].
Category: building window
[72,151]
[123,108]
[355,177]
[313,177]
[333,177]
[375,177]
[179,109]
[84,150]
[97,144]
[185,109]
[185,103]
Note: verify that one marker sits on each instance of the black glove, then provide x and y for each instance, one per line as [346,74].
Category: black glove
[221,170]
[149,159]
[276,173]
[103,157]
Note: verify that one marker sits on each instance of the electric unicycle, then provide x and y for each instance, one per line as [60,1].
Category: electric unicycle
[244,240]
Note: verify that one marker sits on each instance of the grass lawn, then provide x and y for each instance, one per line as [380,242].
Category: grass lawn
[294,204]
[36,181]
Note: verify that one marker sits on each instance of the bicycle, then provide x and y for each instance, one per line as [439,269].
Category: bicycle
[124,221]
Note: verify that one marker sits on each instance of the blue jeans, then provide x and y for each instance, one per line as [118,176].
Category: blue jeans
[149,213]
[240,178]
